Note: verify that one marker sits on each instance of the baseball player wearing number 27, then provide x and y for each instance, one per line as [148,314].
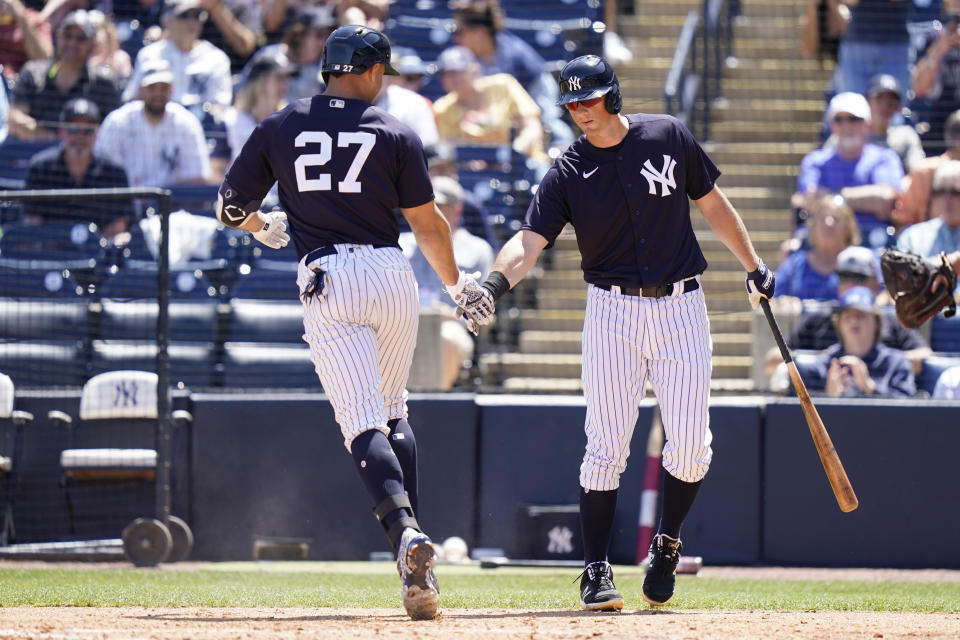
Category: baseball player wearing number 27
[342,167]
[625,186]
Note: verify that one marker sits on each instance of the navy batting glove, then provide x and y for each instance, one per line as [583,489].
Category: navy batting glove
[760,284]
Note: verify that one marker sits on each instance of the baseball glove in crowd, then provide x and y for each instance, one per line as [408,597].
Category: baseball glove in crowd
[909,279]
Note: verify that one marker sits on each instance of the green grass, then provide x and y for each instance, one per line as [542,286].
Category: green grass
[340,584]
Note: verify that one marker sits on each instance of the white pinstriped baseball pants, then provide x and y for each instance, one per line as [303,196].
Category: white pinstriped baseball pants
[627,339]
[362,333]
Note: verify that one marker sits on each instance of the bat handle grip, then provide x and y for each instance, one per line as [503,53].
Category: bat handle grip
[775,328]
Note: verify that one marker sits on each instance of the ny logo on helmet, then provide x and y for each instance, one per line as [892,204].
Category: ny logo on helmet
[574,83]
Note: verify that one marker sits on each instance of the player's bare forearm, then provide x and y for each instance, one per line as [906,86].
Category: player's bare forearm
[877,199]
[729,227]
[519,255]
[433,235]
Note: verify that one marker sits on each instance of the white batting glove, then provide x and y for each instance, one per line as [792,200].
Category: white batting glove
[465,282]
[274,232]
[478,309]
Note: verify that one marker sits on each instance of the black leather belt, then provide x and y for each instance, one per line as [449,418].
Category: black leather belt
[330,249]
[661,291]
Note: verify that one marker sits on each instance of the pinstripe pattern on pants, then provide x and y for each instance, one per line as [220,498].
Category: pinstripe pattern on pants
[626,340]
[362,332]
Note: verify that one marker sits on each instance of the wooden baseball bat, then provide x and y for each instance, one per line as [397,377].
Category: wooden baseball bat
[842,488]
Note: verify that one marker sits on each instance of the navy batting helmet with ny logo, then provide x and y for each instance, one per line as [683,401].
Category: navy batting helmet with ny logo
[589,77]
[355,48]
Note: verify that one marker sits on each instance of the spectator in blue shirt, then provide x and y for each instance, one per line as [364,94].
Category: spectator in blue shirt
[810,274]
[867,176]
[858,366]
[942,231]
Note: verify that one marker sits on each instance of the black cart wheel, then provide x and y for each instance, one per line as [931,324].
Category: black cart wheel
[182,539]
[147,542]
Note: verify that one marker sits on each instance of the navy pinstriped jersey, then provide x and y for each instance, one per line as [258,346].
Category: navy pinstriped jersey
[342,168]
[629,203]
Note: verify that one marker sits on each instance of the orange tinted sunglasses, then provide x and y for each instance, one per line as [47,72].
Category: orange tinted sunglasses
[592,102]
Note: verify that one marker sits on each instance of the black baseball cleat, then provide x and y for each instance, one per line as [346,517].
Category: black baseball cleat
[420,591]
[597,592]
[664,556]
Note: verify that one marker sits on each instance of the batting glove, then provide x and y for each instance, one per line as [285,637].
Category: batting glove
[477,308]
[760,284]
[466,281]
[274,232]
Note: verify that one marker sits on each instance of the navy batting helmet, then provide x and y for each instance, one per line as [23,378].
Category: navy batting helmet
[589,77]
[355,48]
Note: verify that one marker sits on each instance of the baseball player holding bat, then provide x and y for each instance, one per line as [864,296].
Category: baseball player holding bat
[342,168]
[625,187]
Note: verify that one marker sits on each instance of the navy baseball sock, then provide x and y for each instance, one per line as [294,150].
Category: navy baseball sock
[404,444]
[596,522]
[381,473]
[678,497]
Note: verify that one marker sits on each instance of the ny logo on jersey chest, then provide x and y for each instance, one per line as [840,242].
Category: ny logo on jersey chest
[663,177]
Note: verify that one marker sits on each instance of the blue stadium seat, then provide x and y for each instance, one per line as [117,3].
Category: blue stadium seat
[265,321]
[933,366]
[44,319]
[945,334]
[15,160]
[268,366]
[267,284]
[31,282]
[141,283]
[191,363]
[62,244]
[44,364]
[137,320]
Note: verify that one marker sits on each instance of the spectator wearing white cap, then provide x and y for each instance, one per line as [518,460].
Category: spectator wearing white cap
[886,127]
[201,71]
[867,176]
[157,141]
[44,86]
[473,254]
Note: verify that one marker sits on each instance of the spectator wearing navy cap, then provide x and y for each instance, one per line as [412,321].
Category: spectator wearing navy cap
[44,86]
[74,165]
[815,330]
[858,365]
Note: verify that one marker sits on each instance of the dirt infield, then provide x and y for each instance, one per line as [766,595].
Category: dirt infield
[70,623]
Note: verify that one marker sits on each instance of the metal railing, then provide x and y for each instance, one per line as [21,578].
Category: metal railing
[695,79]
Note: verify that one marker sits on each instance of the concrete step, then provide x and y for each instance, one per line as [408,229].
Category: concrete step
[754,198]
[518,365]
[545,320]
[762,110]
[730,344]
[782,176]
[776,69]
[745,131]
[756,154]
[550,341]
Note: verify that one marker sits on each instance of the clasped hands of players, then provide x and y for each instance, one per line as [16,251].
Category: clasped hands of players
[274,231]
[760,284]
[474,303]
